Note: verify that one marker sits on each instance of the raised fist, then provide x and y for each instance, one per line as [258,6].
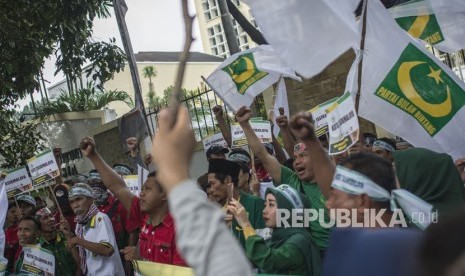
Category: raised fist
[87,147]
[243,115]
[302,126]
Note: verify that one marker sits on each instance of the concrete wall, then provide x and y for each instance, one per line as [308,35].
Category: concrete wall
[327,85]
[66,130]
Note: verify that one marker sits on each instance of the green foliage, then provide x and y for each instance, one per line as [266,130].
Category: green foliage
[31,31]
[85,99]
[19,141]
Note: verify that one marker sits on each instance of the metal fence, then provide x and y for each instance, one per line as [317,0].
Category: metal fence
[200,105]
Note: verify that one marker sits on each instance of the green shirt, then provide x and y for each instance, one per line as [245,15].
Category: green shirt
[319,234]
[286,259]
[64,262]
[254,207]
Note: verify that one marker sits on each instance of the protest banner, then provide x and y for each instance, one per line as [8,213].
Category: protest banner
[261,127]
[37,261]
[43,167]
[215,138]
[132,183]
[320,118]
[141,176]
[17,181]
[150,268]
[343,124]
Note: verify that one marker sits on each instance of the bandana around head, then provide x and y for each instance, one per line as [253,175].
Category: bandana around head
[291,195]
[355,183]
[42,212]
[121,169]
[299,148]
[381,145]
[100,194]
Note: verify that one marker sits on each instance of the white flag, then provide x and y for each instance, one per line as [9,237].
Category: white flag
[407,91]
[280,101]
[307,35]
[438,23]
[245,75]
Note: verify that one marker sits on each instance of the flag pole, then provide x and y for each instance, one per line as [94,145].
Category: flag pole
[119,5]
[362,48]
[176,96]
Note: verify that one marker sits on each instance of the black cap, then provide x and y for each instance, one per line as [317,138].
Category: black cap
[225,167]
[216,149]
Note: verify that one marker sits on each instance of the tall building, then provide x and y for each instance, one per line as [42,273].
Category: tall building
[211,29]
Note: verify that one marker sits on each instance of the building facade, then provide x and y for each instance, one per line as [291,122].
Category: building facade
[211,29]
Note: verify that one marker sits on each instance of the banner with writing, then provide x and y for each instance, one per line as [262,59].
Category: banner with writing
[132,183]
[37,261]
[43,167]
[320,117]
[17,181]
[261,128]
[343,124]
[215,138]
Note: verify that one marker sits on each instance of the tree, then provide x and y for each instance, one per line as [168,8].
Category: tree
[150,72]
[84,99]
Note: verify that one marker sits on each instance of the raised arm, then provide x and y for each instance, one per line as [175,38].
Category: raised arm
[206,248]
[268,161]
[224,127]
[110,178]
[302,127]
[288,139]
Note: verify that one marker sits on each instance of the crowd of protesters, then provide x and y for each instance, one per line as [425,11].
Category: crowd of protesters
[240,217]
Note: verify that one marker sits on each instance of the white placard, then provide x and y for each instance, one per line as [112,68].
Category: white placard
[132,184]
[261,128]
[343,124]
[37,261]
[17,181]
[43,167]
[320,118]
[215,138]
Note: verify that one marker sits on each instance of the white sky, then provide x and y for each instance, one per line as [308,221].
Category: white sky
[153,25]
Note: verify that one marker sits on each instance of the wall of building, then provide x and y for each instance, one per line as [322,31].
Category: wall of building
[327,85]
[166,76]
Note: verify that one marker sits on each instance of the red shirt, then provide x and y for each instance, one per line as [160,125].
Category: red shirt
[156,243]
[11,245]
[120,219]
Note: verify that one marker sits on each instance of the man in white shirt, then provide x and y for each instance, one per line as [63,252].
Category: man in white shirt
[95,238]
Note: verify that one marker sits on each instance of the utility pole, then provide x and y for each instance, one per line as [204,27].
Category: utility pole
[228,27]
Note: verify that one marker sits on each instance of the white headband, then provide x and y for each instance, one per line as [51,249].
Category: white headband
[355,183]
[416,209]
[80,191]
[291,195]
[382,145]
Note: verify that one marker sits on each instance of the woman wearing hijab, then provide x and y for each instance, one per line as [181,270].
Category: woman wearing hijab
[289,250]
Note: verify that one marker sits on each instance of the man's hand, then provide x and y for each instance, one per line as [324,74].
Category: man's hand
[301,125]
[239,212]
[72,242]
[243,115]
[148,159]
[64,228]
[88,147]
[130,253]
[460,164]
[173,147]
[218,111]
[133,145]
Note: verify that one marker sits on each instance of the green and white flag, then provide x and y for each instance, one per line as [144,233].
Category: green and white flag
[439,23]
[307,35]
[245,75]
[407,91]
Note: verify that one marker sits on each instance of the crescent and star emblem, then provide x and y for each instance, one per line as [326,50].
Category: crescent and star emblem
[240,75]
[406,86]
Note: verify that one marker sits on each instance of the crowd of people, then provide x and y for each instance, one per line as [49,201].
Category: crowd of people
[267,208]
